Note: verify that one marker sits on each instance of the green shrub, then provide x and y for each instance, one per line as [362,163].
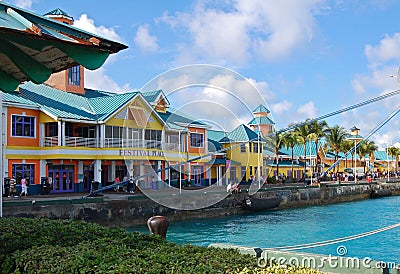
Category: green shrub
[48,246]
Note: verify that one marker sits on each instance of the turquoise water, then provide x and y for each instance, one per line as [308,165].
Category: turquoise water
[301,226]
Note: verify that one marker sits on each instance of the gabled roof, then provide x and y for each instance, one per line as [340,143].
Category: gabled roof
[261,121]
[240,134]
[261,108]
[154,96]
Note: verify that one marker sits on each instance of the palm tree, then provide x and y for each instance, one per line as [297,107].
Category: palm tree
[318,128]
[335,138]
[290,139]
[348,145]
[365,148]
[302,132]
[371,147]
[278,146]
[394,152]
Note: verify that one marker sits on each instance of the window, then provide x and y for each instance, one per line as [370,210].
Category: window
[233,174]
[255,148]
[196,140]
[74,76]
[23,126]
[243,173]
[153,138]
[243,148]
[69,129]
[52,129]
[20,171]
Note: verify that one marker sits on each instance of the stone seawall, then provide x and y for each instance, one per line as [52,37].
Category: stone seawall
[130,210]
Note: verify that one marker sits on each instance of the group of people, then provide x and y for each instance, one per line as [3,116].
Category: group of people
[130,186]
[10,187]
[233,188]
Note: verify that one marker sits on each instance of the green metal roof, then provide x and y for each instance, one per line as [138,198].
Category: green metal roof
[91,93]
[61,104]
[240,134]
[106,106]
[261,108]
[215,135]
[177,120]
[383,156]
[222,161]
[36,46]
[261,121]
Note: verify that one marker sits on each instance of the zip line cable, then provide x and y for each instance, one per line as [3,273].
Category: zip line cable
[334,241]
[378,127]
[367,102]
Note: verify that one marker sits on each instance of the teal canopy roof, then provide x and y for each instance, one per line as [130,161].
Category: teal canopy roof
[222,161]
[261,121]
[240,134]
[32,47]
[261,108]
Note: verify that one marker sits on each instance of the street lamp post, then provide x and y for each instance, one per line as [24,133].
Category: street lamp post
[355,161]
[355,136]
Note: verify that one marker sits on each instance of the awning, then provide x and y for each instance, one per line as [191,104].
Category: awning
[32,47]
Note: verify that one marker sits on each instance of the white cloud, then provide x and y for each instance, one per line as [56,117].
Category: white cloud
[144,40]
[98,79]
[387,50]
[308,110]
[25,4]
[240,29]
[281,107]
[86,23]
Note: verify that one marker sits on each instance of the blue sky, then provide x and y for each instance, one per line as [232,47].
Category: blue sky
[306,57]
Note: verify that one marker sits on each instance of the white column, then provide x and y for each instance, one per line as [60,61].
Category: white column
[159,174]
[59,141]
[41,134]
[63,133]
[43,164]
[80,171]
[97,171]
[101,136]
[113,174]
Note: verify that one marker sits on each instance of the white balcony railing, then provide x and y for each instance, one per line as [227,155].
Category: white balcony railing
[80,142]
[111,143]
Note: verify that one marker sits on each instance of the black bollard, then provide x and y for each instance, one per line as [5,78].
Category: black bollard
[158,225]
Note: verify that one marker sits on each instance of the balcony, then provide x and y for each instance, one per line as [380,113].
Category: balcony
[111,143]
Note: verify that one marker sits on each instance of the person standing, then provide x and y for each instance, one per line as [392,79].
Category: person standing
[24,187]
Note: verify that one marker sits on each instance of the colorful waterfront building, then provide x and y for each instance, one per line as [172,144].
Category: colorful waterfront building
[72,136]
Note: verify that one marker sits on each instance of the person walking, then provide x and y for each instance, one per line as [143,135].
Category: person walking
[24,187]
